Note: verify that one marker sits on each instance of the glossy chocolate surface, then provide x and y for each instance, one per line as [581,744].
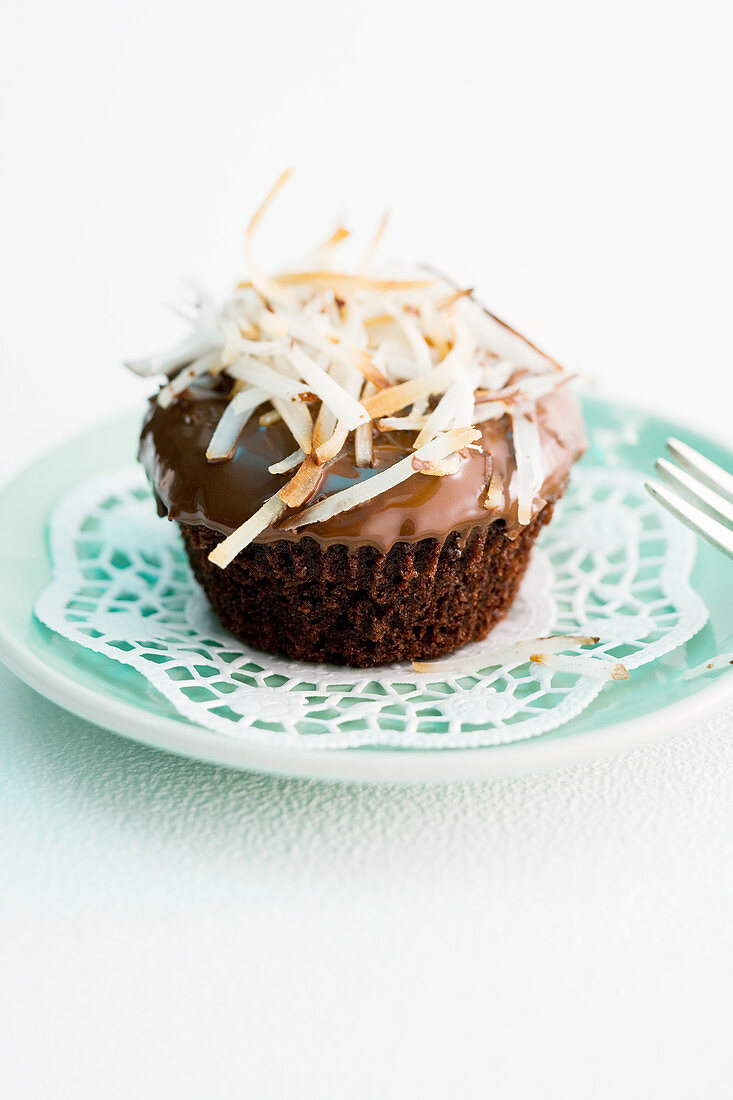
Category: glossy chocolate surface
[223,495]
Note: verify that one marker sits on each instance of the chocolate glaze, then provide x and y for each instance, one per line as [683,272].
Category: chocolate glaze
[223,495]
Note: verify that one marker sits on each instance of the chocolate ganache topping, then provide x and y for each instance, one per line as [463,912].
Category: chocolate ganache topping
[351,406]
[222,495]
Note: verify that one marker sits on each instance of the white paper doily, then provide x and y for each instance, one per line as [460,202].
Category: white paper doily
[611,564]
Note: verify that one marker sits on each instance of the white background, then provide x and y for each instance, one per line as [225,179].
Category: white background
[170,929]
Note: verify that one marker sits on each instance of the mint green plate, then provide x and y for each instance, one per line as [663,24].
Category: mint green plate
[656,702]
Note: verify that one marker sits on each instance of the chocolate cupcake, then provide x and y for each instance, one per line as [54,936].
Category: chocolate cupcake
[359,465]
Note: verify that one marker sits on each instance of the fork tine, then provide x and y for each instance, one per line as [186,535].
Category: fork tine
[713,532]
[696,492]
[709,472]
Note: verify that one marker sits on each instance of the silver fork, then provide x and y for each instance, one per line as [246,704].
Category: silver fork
[698,492]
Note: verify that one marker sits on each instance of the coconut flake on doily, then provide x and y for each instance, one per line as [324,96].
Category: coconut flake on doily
[612,564]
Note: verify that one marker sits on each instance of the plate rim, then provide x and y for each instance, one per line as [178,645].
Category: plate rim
[371,764]
[185,738]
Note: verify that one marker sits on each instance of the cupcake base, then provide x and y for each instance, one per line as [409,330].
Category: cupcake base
[359,607]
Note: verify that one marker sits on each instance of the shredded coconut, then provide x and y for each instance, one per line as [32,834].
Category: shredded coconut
[339,353]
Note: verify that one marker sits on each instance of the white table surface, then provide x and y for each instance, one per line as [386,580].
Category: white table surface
[171,929]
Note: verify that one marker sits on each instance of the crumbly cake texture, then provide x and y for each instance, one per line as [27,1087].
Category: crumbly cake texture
[359,607]
[359,461]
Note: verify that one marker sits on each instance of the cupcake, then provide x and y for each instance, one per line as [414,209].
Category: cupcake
[359,462]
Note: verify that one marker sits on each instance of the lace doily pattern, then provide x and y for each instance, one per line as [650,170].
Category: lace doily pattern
[612,564]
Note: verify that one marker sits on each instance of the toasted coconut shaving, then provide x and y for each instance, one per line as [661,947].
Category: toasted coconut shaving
[533,387]
[440,468]
[407,423]
[381,482]
[363,363]
[325,427]
[267,287]
[260,347]
[582,666]
[185,377]
[339,234]
[364,436]
[341,281]
[415,339]
[496,374]
[303,485]
[525,340]
[493,410]
[298,419]
[324,452]
[714,664]
[418,408]
[376,241]
[364,445]
[503,339]
[333,445]
[333,346]
[528,456]
[518,653]
[455,408]
[451,299]
[268,380]
[173,360]
[399,397]
[379,321]
[235,416]
[339,354]
[287,464]
[480,396]
[331,393]
[227,550]
[494,497]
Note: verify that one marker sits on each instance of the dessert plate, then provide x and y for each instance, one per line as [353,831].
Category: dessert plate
[656,702]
